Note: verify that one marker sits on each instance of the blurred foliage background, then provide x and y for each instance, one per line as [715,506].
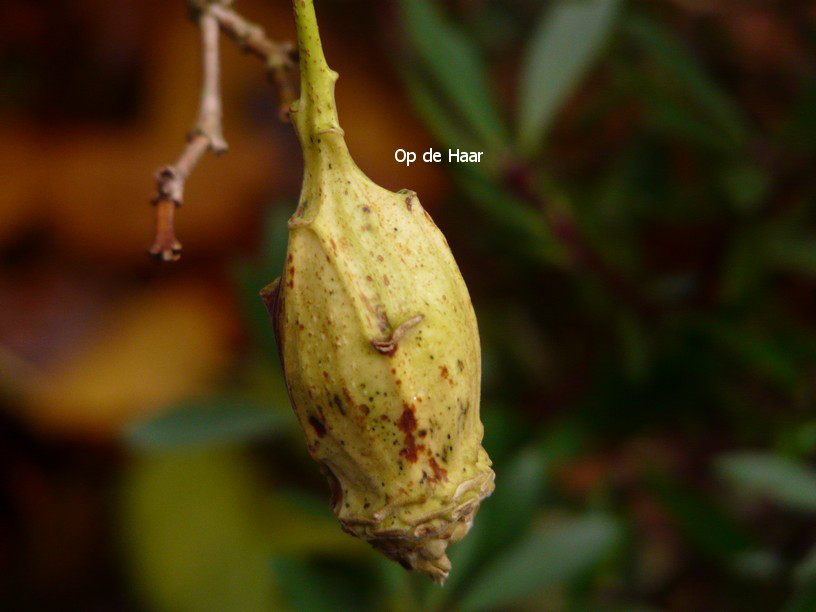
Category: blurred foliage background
[640,245]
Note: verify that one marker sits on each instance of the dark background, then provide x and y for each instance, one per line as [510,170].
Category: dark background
[640,246]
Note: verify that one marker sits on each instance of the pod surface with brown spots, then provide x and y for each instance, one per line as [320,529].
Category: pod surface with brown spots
[379,343]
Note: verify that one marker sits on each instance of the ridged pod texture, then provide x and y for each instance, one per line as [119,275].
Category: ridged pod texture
[380,348]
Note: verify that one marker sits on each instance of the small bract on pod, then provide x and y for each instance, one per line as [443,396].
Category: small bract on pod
[379,344]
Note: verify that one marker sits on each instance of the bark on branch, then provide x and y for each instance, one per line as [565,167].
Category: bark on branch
[212,16]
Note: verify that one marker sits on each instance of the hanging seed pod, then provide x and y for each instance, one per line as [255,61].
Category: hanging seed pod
[379,344]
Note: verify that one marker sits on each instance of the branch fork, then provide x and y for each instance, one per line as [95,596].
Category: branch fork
[214,16]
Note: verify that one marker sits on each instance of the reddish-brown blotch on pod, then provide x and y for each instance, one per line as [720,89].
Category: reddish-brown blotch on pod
[379,343]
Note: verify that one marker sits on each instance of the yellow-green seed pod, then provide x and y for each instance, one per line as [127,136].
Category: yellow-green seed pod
[379,344]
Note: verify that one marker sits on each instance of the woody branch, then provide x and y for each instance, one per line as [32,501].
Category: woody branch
[207,135]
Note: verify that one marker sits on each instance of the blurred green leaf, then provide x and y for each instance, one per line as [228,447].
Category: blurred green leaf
[778,479]
[635,347]
[505,430]
[805,570]
[566,41]
[803,600]
[746,186]
[745,264]
[190,525]
[798,439]
[757,564]
[513,505]
[794,253]
[704,524]
[547,556]
[320,585]
[799,129]
[759,349]
[526,229]
[218,419]
[671,117]
[251,275]
[300,526]
[682,75]
[453,63]
[445,126]
[397,583]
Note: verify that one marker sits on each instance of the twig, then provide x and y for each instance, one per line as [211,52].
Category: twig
[213,15]
[207,135]
[280,58]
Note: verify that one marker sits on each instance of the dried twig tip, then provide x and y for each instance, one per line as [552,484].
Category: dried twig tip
[166,246]
[212,16]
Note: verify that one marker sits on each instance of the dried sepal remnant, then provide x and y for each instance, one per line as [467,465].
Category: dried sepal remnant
[389,345]
[379,344]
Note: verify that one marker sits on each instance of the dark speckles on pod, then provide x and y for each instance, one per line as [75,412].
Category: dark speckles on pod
[339,403]
[371,276]
[318,426]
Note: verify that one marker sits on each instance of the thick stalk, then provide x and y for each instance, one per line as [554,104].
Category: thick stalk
[315,112]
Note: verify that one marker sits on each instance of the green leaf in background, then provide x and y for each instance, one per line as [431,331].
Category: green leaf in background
[553,554]
[704,525]
[763,565]
[191,524]
[803,600]
[758,348]
[778,479]
[682,75]
[745,264]
[444,126]
[567,40]
[323,585]
[798,439]
[635,347]
[251,275]
[746,186]
[794,254]
[513,505]
[672,118]
[526,229]
[219,419]
[805,570]
[199,527]
[453,64]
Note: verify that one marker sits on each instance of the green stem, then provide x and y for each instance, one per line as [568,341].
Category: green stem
[315,112]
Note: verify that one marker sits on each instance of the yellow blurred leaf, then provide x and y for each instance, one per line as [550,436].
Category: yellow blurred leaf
[156,348]
[190,527]
[200,531]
